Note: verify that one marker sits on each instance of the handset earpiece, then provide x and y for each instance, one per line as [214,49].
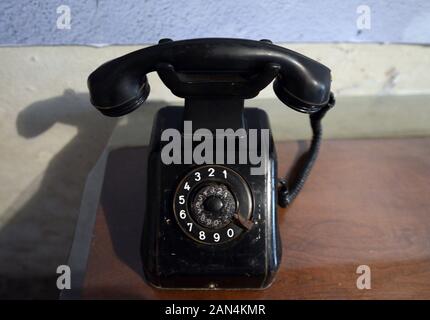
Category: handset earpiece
[292,101]
[116,89]
[299,89]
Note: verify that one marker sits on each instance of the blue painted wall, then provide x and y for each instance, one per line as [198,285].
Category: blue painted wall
[26,22]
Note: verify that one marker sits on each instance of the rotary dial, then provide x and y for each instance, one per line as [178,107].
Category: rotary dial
[213,204]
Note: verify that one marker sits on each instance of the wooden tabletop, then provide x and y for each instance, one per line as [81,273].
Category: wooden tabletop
[367,202]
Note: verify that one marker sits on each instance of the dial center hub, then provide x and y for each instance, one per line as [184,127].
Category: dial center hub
[213,204]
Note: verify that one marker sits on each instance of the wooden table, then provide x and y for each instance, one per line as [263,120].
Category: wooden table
[367,202]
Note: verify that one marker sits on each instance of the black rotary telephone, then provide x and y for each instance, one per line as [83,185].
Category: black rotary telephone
[211,221]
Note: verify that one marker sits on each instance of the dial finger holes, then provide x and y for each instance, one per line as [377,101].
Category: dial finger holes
[206,202]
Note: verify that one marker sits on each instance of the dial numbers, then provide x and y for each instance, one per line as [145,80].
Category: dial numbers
[187,192]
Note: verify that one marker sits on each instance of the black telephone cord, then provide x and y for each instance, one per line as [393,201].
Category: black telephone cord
[287,192]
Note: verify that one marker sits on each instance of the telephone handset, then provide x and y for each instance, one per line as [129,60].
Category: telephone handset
[212,223]
[120,86]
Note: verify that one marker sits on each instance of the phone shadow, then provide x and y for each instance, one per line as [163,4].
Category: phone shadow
[124,207]
[38,235]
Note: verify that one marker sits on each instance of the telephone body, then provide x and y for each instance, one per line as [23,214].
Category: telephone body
[214,225]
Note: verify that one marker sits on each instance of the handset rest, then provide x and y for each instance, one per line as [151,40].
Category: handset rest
[120,85]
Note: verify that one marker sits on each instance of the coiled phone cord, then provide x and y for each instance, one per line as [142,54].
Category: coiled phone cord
[287,192]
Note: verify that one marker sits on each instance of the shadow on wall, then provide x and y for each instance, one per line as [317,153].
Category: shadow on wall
[38,237]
